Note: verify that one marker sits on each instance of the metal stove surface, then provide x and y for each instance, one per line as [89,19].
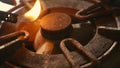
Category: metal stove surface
[104,43]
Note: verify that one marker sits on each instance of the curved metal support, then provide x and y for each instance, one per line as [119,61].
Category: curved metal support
[109,32]
[79,47]
[21,35]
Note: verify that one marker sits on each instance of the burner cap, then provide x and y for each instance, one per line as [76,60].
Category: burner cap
[55,21]
[56,26]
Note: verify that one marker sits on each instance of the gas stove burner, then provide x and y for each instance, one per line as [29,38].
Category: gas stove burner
[96,49]
[86,49]
[84,45]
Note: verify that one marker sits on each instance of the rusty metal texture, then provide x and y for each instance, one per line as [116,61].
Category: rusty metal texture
[24,57]
[79,47]
[21,35]
[7,47]
[98,47]
[76,4]
[96,11]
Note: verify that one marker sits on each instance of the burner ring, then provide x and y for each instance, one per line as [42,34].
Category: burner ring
[24,56]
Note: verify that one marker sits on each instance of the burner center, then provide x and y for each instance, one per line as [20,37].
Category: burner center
[56,26]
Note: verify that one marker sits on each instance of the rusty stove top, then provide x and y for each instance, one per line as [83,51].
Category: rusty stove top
[93,41]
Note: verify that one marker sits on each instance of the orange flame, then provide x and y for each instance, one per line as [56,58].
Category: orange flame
[33,13]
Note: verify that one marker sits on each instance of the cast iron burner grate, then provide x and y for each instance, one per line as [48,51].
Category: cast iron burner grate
[89,45]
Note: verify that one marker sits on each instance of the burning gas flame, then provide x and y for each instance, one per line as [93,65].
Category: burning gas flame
[33,13]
